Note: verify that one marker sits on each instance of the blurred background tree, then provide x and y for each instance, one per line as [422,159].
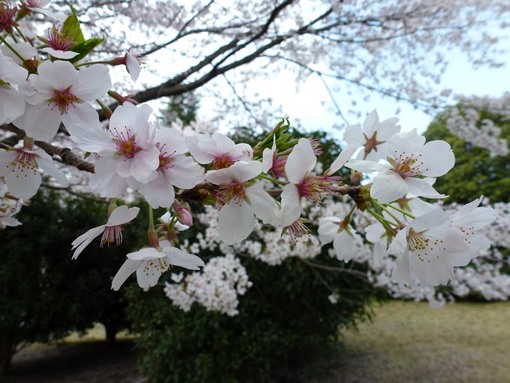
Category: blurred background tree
[477,170]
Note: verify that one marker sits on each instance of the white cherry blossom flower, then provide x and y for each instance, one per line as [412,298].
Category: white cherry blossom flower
[469,219]
[341,233]
[12,102]
[62,96]
[111,230]
[149,263]
[241,201]
[20,169]
[272,162]
[372,137]
[8,209]
[127,150]
[218,149]
[24,49]
[303,183]
[133,61]
[409,159]
[59,44]
[428,249]
[175,169]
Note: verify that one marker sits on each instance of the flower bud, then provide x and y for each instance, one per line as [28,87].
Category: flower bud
[183,214]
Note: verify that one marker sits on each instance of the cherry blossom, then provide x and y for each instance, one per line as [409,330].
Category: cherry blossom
[241,201]
[469,219]
[62,96]
[20,169]
[303,184]
[59,44]
[175,169]
[126,150]
[12,103]
[23,49]
[272,162]
[372,137]
[428,248]
[218,149]
[7,17]
[132,61]
[8,209]
[408,160]
[217,287]
[149,263]
[343,236]
[111,230]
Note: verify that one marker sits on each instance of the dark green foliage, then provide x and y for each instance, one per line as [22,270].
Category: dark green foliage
[477,171]
[284,321]
[183,108]
[44,294]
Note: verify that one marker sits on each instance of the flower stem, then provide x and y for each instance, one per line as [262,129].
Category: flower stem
[12,49]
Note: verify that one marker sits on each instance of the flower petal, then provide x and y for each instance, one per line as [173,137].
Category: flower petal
[127,268]
[84,240]
[388,187]
[235,222]
[121,215]
[300,161]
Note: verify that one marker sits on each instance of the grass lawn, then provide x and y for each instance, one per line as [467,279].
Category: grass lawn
[407,342]
[412,342]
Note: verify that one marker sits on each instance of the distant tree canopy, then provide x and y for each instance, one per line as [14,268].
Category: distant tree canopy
[477,171]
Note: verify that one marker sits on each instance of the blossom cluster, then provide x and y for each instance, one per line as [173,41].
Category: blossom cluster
[49,89]
[467,121]
[217,288]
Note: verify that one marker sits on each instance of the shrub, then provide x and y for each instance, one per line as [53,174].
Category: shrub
[284,318]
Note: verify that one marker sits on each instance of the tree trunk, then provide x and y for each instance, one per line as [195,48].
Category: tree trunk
[111,328]
[7,347]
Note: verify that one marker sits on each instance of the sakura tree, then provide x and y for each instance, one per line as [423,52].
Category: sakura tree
[52,84]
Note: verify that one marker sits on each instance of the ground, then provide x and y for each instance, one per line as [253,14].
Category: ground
[407,342]
[77,362]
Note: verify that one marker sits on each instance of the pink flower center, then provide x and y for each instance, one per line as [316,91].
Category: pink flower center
[406,166]
[62,99]
[312,187]
[23,162]
[421,246]
[235,190]
[112,234]
[222,162]
[7,21]
[298,230]
[371,143]
[278,168]
[126,143]
[58,40]
[165,159]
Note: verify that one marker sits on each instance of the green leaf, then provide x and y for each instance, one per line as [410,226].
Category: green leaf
[71,28]
[86,47]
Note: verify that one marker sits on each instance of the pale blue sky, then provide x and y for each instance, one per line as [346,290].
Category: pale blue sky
[310,104]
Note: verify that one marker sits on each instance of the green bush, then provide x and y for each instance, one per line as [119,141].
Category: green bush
[284,319]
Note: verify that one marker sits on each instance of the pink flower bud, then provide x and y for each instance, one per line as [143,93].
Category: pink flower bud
[183,214]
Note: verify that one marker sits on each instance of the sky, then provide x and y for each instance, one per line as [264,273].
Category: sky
[313,107]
